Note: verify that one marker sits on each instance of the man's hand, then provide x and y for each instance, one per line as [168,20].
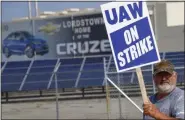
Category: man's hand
[150,109]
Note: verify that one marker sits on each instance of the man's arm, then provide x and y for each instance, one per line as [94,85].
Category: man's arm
[152,111]
[178,108]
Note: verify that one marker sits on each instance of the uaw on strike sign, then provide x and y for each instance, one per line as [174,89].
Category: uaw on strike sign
[130,34]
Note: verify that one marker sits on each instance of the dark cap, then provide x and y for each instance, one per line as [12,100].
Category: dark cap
[163,66]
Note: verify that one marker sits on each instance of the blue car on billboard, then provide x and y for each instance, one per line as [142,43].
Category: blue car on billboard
[24,43]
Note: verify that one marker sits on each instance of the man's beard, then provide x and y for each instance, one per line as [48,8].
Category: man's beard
[165,88]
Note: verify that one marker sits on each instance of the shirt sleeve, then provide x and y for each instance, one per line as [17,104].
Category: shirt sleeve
[178,110]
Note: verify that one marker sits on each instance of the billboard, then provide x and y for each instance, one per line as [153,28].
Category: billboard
[87,37]
[59,37]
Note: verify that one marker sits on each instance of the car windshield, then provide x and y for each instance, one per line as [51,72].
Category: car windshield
[28,35]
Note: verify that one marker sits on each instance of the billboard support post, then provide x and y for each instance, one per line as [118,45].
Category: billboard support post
[36,8]
[29,9]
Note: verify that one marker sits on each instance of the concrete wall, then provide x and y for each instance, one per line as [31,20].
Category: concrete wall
[169,38]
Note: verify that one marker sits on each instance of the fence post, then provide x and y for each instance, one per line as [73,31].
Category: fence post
[107,90]
[56,90]
[119,97]
[107,99]
[154,91]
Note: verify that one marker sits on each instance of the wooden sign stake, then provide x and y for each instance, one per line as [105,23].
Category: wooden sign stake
[142,85]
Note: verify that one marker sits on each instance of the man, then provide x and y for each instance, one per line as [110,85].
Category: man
[168,102]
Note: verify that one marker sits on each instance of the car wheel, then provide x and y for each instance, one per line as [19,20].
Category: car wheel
[29,52]
[7,52]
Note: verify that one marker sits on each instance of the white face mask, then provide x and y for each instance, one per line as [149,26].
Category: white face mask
[165,88]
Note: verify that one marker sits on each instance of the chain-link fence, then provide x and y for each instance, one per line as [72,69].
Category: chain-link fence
[123,105]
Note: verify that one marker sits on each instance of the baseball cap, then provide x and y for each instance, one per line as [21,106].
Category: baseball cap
[163,66]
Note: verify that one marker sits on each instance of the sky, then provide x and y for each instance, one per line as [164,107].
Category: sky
[14,9]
